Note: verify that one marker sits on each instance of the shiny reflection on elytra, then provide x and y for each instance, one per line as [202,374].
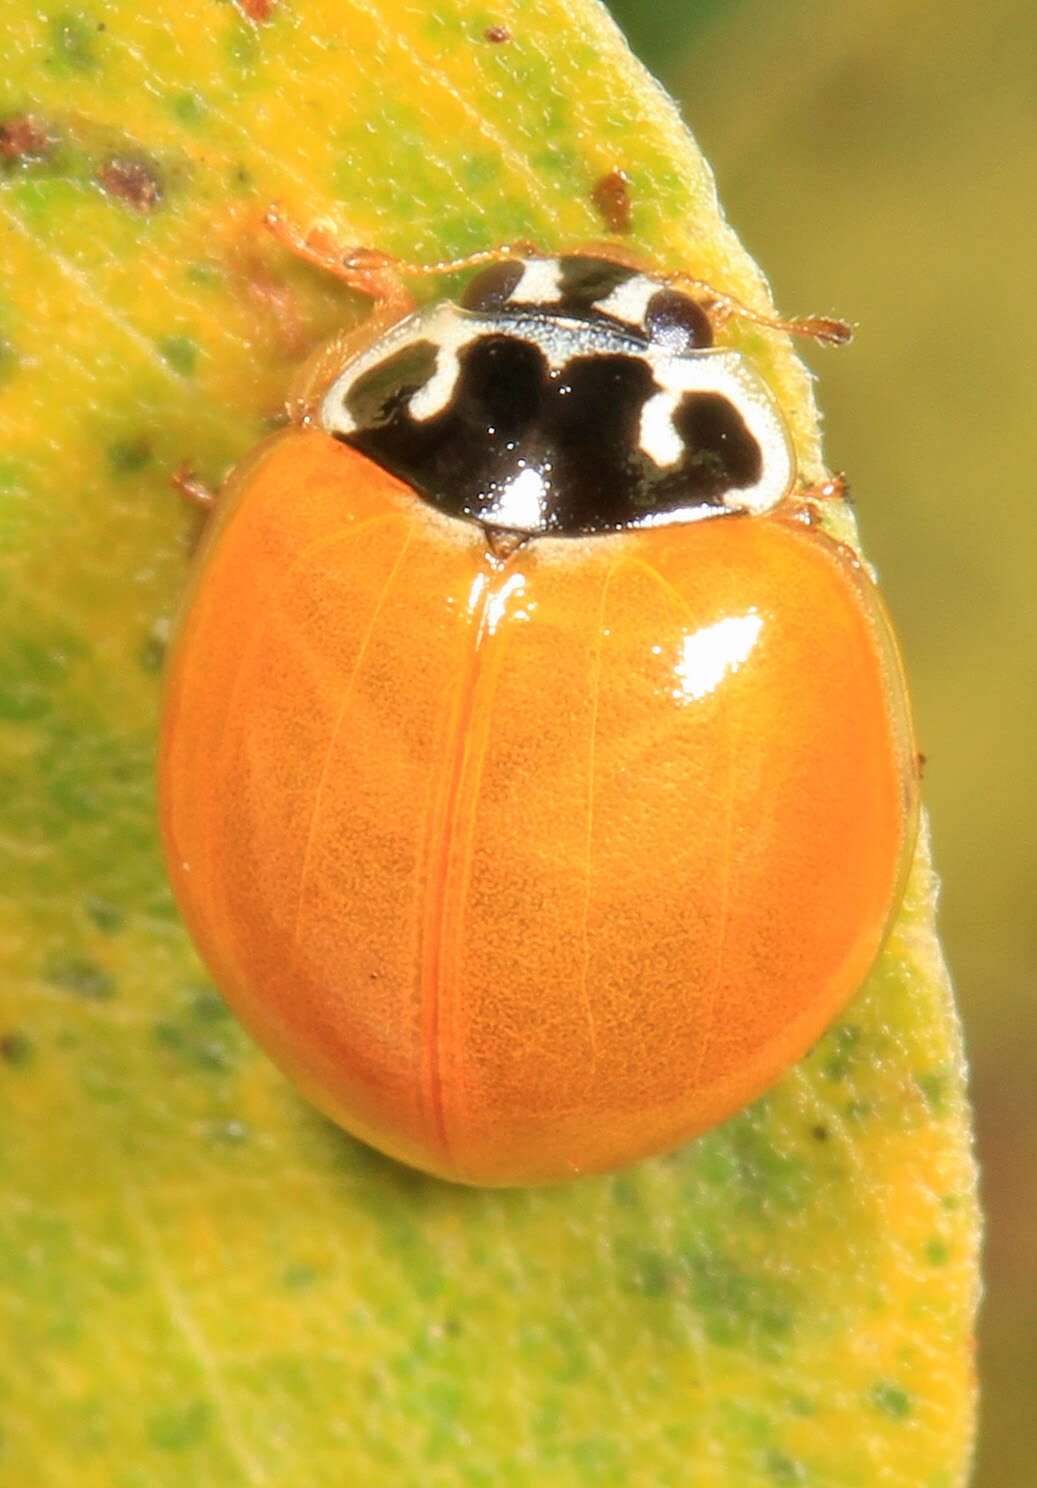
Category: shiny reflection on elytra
[709,655]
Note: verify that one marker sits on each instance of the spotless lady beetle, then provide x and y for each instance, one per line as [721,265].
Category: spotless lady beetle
[537,777]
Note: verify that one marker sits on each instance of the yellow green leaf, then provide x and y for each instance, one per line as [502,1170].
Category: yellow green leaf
[201,1281]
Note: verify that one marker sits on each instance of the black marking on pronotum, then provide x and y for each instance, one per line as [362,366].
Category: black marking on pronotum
[536,449]
[565,396]
[595,290]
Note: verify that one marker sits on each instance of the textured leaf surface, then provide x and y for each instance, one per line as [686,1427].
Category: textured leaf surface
[201,1281]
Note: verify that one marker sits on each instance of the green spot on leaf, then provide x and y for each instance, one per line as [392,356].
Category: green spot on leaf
[16,1048]
[892,1400]
[129,455]
[106,916]
[188,107]
[180,353]
[82,977]
[179,1427]
[73,42]
[937,1251]
[785,1470]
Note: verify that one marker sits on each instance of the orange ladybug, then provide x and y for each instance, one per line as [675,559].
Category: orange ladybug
[537,778]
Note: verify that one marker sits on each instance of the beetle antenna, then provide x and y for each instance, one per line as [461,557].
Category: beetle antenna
[826,330]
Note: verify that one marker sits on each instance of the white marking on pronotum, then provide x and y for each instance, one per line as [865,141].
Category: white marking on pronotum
[541,283]
[728,374]
[657,436]
[449,332]
[436,394]
[629,300]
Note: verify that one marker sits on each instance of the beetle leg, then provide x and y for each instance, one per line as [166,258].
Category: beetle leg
[193,490]
[379,274]
[370,272]
[832,488]
[363,269]
[806,503]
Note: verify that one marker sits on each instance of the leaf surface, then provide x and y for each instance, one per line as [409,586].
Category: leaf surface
[201,1281]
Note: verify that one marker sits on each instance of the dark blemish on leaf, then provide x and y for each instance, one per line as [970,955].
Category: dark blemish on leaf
[241,178]
[256,10]
[127,455]
[16,1048]
[180,353]
[179,1426]
[135,182]
[106,916]
[497,34]
[921,761]
[892,1400]
[820,1133]
[611,199]
[24,138]
[84,978]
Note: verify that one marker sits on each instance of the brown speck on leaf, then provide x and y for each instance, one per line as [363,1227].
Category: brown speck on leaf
[497,34]
[611,197]
[133,182]
[256,10]
[23,138]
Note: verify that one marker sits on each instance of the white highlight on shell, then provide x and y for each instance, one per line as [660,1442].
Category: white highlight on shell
[520,505]
[710,654]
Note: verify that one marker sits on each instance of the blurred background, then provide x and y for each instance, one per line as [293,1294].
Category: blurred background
[879,159]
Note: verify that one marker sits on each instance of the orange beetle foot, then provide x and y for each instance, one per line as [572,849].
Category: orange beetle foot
[805,504]
[193,490]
